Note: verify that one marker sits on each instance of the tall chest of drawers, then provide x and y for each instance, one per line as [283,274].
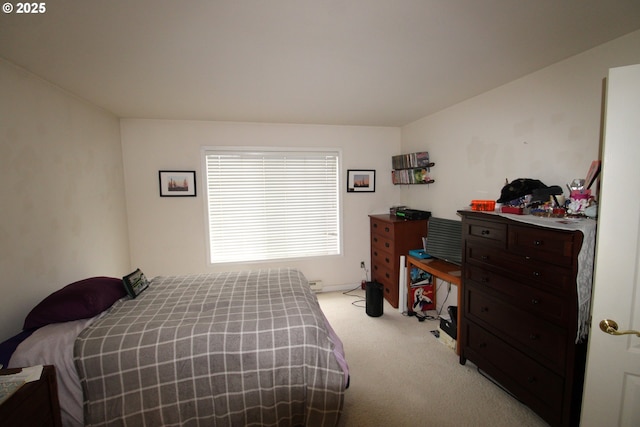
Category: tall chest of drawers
[520,312]
[392,237]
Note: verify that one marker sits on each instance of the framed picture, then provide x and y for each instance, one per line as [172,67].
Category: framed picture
[361,181]
[177,183]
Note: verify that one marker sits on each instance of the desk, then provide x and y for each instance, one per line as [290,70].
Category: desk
[442,270]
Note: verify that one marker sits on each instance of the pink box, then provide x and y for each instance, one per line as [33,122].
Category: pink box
[512,209]
[580,194]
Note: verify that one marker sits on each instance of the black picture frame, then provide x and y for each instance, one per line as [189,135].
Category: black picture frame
[177,183]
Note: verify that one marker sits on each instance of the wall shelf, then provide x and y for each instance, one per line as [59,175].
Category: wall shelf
[411,168]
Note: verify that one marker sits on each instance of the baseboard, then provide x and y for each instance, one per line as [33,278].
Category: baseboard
[343,287]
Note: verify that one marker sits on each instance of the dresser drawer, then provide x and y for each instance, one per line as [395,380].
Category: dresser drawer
[542,244]
[509,365]
[490,233]
[382,258]
[384,275]
[382,243]
[537,337]
[546,276]
[382,228]
[549,277]
[531,299]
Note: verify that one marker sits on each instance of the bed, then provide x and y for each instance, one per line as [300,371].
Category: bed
[223,349]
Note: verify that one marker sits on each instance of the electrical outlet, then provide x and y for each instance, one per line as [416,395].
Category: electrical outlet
[362,264]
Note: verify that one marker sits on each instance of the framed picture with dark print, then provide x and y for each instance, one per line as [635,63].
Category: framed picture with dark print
[177,183]
[361,181]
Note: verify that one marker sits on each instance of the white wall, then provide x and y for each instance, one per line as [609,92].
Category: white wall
[62,193]
[168,235]
[545,125]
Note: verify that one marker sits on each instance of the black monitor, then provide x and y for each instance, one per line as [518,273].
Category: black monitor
[444,239]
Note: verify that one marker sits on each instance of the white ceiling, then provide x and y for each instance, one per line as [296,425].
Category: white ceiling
[353,62]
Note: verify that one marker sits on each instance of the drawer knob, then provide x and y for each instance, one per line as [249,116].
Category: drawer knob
[531,380]
[484,279]
[535,301]
[484,309]
[387,260]
[484,257]
[375,239]
[386,229]
[375,253]
[375,225]
[536,274]
[386,245]
[534,337]
[387,275]
[537,242]
[485,232]
[483,345]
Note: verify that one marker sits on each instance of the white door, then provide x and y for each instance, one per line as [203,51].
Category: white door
[612,384]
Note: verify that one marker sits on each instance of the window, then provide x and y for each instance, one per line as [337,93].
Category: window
[270,205]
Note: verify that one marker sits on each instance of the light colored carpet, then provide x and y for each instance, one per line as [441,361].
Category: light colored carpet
[401,375]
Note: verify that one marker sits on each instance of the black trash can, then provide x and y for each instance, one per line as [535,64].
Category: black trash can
[374,302]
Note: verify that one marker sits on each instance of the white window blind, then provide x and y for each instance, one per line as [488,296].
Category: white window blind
[272,205]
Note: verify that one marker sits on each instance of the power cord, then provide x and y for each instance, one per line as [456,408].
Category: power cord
[422,316]
[445,300]
[360,299]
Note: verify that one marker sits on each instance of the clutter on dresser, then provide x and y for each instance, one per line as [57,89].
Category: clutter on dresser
[527,196]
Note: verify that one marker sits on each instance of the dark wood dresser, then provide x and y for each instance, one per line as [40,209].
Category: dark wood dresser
[392,237]
[520,312]
[34,404]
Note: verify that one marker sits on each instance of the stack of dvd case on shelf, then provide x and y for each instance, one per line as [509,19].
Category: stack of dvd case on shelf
[411,168]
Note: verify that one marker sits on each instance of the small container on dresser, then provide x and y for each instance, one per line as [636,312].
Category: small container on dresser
[392,237]
[34,403]
[520,312]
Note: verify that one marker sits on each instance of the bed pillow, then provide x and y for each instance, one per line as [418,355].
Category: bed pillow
[79,300]
[135,283]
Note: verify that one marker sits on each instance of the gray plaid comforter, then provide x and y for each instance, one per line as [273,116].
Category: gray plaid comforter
[227,349]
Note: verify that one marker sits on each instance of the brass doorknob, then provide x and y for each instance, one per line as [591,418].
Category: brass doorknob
[611,327]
